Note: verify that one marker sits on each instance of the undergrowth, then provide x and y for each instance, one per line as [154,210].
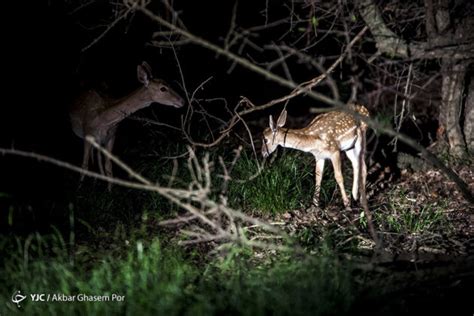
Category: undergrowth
[405,215]
[161,280]
[285,184]
[113,254]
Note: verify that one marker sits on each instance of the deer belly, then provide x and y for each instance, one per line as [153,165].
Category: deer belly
[321,153]
[347,143]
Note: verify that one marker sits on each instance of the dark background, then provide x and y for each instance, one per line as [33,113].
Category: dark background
[45,68]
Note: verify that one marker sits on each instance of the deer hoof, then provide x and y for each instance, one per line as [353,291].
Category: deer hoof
[347,206]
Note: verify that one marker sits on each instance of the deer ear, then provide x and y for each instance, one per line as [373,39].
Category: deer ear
[147,68]
[282,119]
[144,73]
[272,124]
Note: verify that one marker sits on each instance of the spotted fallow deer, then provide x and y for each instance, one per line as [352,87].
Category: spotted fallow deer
[93,114]
[325,137]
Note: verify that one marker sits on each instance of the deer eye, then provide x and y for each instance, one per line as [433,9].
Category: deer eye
[163,89]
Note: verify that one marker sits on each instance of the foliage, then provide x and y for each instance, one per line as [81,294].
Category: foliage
[285,184]
[405,216]
[160,280]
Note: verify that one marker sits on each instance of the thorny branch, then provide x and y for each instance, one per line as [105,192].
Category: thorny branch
[303,88]
[219,222]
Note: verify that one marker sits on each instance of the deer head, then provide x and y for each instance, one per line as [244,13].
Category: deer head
[270,134]
[158,90]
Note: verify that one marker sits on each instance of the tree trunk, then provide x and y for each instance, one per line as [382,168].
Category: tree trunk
[451,104]
[469,117]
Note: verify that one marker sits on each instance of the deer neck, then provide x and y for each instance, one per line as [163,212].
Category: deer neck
[289,138]
[122,108]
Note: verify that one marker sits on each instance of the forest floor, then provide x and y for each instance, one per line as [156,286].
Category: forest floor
[427,231]
[115,242]
[421,213]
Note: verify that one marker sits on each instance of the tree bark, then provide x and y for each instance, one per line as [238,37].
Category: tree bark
[453,44]
[393,45]
[451,104]
[469,117]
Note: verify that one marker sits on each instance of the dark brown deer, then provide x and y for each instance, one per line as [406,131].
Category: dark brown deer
[93,114]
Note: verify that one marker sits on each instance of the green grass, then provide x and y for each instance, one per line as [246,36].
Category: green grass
[285,184]
[406,216]
[159,280]
[118,248]
[124,206]
[427,218]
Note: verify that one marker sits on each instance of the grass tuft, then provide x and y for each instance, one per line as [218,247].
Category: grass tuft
[285,184]
[405,215]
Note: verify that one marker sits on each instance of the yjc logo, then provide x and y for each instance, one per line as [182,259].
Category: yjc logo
[17,298]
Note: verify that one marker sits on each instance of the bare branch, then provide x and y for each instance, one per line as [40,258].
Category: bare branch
[390,43]
[108,29]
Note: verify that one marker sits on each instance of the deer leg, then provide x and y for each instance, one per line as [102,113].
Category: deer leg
[363,166]
[363,169]
[85,158]
[336,163]
[353,156]
[108,162]
[318,178]
[100,162]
